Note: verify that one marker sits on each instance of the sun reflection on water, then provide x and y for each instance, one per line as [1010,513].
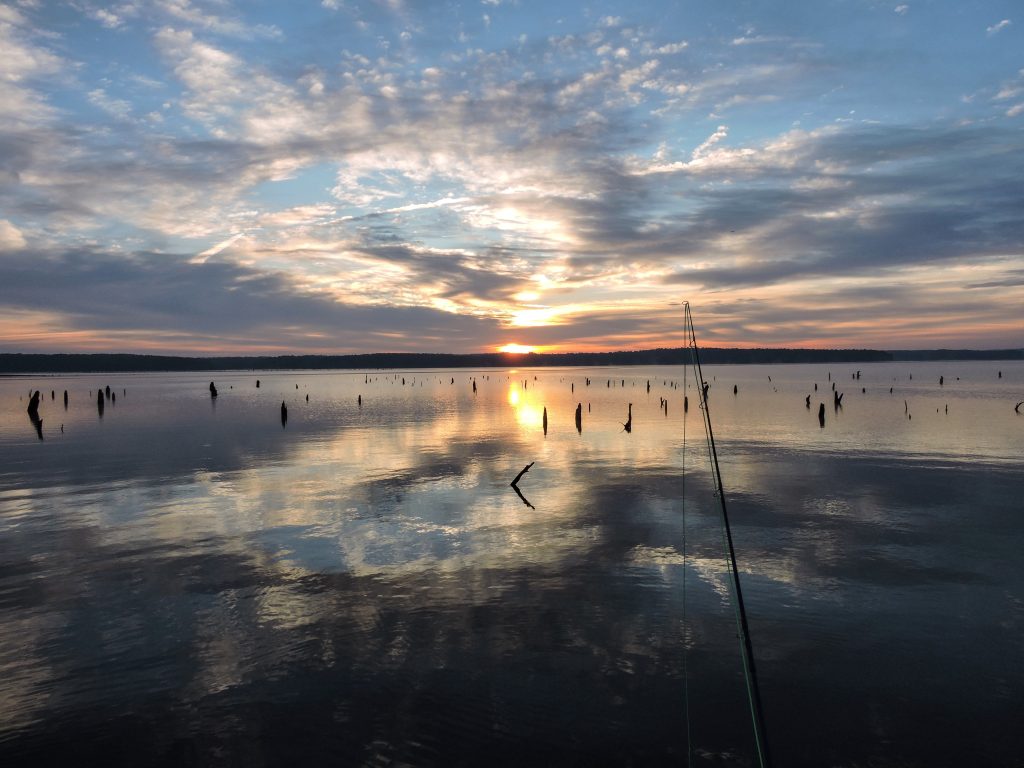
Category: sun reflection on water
[528,412]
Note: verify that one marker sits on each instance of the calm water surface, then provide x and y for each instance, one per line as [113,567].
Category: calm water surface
[186,581]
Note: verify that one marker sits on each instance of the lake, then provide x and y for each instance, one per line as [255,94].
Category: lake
[190,581]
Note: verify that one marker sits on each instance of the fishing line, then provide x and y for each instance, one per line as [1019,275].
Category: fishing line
[686,671]
[746,648]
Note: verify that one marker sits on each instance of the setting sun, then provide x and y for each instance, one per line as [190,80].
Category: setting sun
[517,349]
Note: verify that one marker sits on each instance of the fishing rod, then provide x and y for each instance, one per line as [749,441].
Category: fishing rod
[747,649]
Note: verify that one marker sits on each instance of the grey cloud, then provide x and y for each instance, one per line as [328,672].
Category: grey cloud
[944,193]
[450,269]
[1013,277]
[163,294]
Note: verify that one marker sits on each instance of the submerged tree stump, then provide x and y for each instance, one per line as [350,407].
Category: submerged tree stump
[33,414]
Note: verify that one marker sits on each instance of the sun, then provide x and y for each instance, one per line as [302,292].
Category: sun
[517,349]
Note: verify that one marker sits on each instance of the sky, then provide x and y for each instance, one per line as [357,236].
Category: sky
[218,177]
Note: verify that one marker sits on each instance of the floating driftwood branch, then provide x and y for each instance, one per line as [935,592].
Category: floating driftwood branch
[524,470]
[515,486]
[523,498]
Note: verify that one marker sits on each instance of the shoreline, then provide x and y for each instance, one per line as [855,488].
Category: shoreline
[16,364]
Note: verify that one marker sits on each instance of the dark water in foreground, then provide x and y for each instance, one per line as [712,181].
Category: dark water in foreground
[187,582]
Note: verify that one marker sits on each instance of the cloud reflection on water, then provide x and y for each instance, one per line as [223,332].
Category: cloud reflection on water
[369,572]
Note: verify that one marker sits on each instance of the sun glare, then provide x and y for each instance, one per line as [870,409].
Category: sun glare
[517,349]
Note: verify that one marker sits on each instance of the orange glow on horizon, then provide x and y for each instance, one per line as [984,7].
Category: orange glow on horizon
[517,349]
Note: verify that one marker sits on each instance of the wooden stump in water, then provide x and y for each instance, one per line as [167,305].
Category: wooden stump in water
[33,414]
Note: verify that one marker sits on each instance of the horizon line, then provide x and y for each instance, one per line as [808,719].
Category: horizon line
[499,353]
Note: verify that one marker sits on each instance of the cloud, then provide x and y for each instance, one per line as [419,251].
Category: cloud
[998,27]
[153,296]
[650,48]
[185,11]
[23,63]
[11,237]
[564,183]
[758,39]
[1012,89]
[119,108]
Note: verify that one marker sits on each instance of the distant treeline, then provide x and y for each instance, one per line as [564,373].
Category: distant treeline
[957,354]
[113,363]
